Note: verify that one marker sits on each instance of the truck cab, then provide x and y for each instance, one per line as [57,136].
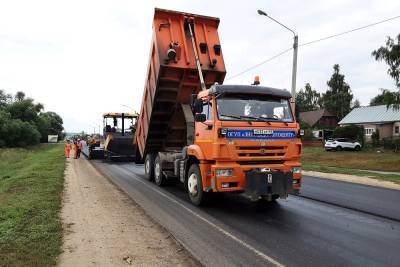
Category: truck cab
[246,139]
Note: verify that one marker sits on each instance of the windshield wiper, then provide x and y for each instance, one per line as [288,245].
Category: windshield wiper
[255,118]
[231,116]
[276,119]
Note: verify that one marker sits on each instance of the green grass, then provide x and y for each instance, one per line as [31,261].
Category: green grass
[359,163]
[31,183]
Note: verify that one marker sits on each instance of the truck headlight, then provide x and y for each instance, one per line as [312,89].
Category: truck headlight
[224,172]
[296,169]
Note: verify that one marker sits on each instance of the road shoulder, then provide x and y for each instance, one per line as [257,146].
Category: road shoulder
[104,227]
[353,179]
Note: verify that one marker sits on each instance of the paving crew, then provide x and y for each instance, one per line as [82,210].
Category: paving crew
[67,148]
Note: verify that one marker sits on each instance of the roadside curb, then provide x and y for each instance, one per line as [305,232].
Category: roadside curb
[353,179]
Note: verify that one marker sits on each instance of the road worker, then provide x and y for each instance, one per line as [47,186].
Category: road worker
[75,149]
[79,147]
[67,148]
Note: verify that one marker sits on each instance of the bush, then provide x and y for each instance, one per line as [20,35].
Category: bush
[391,144]
[22,122]
[17,133]
[352,131]
[375,137]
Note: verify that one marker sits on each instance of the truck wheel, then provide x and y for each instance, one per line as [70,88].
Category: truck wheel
[195,185]
[159,177]
[149,167]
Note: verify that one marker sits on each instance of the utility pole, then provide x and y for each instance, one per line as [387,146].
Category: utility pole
[295,49]
[294,72]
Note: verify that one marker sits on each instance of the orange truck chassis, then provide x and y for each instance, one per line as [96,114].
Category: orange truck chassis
[212,137]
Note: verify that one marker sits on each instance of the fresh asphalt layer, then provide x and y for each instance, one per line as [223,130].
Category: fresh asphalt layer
[232,231]
[369,199]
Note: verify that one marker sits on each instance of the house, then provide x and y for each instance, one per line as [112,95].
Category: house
[320,117]
[387,121]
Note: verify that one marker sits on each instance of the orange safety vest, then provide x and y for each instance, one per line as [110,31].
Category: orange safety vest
[67,149]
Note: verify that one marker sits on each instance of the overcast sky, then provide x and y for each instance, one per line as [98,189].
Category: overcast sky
[83,58]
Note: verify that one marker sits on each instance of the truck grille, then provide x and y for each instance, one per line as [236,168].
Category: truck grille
[246,152]
[260,162]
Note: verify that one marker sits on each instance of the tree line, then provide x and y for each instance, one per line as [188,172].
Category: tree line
[24,122]
[338,98]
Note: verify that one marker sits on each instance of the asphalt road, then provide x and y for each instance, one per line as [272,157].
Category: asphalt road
[369,199]
[293,232]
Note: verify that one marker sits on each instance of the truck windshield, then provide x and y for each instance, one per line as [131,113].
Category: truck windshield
[253,108]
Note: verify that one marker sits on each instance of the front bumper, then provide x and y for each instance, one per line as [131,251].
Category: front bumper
[268,184]
[256,181]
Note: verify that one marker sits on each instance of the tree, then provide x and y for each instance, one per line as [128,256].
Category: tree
[4,99]
[383,98]
[19,96]
[24,108]
[22,123]
[390,53]
[49,123]
[15,132]
[338,97]
[308,99]
[355,104]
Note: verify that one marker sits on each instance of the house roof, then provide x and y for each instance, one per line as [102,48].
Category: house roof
[371,114]
[312,117]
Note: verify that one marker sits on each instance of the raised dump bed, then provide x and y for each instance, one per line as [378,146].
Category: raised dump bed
[172,78]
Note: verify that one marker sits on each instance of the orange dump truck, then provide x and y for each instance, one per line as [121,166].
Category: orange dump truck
[209,136]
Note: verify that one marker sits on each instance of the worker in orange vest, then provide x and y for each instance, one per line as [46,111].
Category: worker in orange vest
[67,149]
[75,149]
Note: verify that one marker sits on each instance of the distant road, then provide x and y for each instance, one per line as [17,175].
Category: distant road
[297,231]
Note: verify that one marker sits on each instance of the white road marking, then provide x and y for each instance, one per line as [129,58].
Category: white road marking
[226,233]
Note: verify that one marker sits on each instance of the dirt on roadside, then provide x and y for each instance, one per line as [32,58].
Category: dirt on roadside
[104,227]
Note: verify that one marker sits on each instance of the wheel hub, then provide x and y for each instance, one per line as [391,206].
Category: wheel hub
[192,184]
[157,171]
[147,166]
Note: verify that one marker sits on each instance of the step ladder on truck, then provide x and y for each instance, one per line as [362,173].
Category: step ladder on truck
[209,136]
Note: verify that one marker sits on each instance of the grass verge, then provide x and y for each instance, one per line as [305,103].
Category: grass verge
[31,183]
[361,163]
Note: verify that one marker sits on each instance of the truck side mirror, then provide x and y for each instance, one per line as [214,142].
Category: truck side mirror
[197,106]
[200,117]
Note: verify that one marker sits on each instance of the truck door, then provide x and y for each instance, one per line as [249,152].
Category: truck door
[204,130]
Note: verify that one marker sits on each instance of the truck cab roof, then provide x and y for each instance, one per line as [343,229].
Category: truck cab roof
[248,89]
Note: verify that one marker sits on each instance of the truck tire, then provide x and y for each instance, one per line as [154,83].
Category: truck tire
[195,186]
[149,167]
[159,177]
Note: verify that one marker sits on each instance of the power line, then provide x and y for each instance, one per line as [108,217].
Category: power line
[349,31]
[259,64]
[310,42]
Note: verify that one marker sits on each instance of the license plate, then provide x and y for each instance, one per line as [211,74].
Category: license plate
[269,178]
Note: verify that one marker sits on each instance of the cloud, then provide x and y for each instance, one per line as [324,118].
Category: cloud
[84,58]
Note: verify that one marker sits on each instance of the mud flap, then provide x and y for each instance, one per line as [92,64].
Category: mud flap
[266,184]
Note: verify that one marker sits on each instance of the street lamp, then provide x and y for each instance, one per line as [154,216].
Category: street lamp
[128,107]
[295,48]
